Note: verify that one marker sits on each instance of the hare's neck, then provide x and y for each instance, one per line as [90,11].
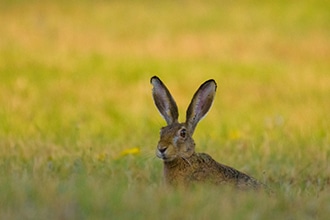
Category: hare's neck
[172,164]
[177,171]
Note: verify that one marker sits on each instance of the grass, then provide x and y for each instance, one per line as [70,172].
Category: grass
[78,127]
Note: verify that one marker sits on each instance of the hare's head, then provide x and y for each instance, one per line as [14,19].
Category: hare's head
[176,138]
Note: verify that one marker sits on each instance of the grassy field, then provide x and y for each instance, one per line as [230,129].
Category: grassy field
[78,127]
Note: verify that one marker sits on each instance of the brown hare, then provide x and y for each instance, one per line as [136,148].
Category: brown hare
[176,147]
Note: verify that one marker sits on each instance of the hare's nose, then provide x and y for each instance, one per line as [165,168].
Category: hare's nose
[162,149]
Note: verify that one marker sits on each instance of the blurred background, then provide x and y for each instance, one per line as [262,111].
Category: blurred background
[74,83]
[86,64]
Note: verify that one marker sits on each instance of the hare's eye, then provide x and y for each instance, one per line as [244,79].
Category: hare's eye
[183,133]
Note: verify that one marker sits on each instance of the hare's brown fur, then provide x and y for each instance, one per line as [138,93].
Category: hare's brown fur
[201,167]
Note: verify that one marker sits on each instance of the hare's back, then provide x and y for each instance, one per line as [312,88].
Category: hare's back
[220,173]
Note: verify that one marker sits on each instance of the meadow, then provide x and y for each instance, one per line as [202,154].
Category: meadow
[79,129]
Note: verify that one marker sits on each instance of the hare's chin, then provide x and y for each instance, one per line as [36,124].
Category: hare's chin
[164,158]
[167,159]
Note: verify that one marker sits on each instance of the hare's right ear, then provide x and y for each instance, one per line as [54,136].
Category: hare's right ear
[200,104]
[164,101]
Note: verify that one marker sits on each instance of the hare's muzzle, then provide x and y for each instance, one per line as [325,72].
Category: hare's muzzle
[161,152]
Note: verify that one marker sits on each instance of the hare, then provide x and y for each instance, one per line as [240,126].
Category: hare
[176,147]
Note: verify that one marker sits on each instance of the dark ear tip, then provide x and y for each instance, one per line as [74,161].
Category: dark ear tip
[210,81]
[215,83]
[154,78]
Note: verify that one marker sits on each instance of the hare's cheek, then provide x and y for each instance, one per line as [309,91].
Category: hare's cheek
[187,149]
[172,150]
[176,141]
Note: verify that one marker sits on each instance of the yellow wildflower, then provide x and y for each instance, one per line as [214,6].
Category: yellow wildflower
[130,151]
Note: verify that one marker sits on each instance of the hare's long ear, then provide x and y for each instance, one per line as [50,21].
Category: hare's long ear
[200,104]
[164,101]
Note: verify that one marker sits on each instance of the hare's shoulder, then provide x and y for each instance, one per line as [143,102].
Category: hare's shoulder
[202,161]
[206,169]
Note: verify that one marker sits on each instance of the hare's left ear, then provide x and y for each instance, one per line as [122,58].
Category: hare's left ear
[200,104]
[164,101]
